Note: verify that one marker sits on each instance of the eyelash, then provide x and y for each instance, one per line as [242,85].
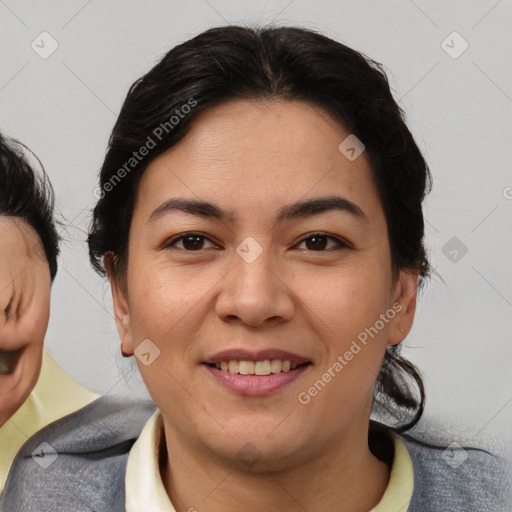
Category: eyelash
[340,243]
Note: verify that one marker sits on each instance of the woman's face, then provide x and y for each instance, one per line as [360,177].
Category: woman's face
[24,312]
[253,284]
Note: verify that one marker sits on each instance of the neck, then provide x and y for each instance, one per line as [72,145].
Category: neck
[345,477]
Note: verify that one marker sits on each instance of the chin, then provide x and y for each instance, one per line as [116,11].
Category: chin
[256,451]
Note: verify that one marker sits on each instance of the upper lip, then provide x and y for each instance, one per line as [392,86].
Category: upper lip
[260,355]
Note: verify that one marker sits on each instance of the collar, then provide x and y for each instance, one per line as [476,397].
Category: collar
[145,491]
[54,396]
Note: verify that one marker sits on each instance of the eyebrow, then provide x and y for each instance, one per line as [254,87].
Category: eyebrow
[295,210]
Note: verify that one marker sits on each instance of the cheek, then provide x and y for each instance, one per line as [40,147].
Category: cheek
[32,365]
[33,326]
[164,304]
[42,322]
[344,301]
[352,307]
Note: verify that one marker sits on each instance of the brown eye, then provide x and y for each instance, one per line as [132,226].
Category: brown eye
[189,242]
[193,242]
[318,242]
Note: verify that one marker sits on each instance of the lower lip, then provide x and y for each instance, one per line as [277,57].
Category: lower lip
[256,385]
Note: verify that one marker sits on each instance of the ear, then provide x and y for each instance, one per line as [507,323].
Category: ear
[404,303]
[121,307]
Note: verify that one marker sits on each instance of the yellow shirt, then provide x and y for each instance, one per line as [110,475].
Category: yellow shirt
[145,491]
[54,396]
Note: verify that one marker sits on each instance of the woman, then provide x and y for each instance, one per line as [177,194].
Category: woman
[260,222]
[35,393]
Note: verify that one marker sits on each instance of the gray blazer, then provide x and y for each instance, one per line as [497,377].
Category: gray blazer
[77,463]
[88,469]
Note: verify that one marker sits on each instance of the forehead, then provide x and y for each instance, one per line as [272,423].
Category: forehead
[18,238]
[258,154]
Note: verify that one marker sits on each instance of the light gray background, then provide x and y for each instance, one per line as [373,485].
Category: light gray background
[64,107]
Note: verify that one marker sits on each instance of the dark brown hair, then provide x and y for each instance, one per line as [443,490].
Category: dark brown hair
[28,195]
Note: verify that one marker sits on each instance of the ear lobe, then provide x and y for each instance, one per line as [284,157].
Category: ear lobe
[405,297]
[121,306]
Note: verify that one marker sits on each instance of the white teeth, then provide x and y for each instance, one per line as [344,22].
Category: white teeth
[246,367]
[276,365]
[265,367]
[262,368]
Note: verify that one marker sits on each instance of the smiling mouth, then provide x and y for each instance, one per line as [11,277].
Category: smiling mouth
[261,368]
[9,360]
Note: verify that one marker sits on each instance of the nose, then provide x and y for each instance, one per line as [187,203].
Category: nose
[255,293]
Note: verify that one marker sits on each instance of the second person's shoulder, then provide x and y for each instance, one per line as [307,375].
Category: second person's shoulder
[78,463]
